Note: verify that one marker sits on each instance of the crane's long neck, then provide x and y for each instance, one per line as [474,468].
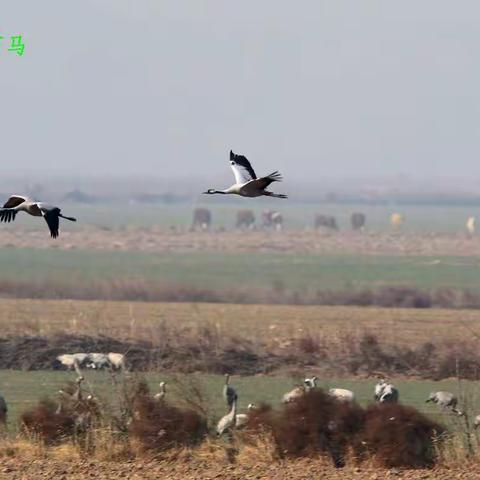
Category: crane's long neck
[233,411]
[67,218]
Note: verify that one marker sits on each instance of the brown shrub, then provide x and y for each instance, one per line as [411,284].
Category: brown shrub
[398,436]
[159,426]
[314,423]
[42,421]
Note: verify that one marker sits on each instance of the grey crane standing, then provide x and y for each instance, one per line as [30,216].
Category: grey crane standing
[229,393]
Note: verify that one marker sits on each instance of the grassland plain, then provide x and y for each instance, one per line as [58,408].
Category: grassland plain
[420,218]
[302,272]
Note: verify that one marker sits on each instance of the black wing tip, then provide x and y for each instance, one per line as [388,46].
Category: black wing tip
[7,216]
[232,155]
[276,176]
[54,234]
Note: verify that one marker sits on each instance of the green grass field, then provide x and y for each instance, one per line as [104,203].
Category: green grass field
[242,270]
[439,219]
[23,389]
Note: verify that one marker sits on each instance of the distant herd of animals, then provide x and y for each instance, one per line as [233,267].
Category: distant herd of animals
[274,220]
[247,184]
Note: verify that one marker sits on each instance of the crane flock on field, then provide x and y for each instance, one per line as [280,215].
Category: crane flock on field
[247,184]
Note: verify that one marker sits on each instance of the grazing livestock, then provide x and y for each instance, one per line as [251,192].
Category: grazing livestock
[245,219]
[325,222]
[358,220]
[246,182]
[470,225]
[300,390]
[294,394]
[342,394]
[385,392]
[98,361]
[272,219]
[310,383]
[72,360]
[241,419]
[117,360]
[229,393]
[19,203]
[396,221]
[445,400]
[202,219]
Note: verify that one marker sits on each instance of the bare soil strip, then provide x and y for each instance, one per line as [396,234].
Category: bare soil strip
[158,239]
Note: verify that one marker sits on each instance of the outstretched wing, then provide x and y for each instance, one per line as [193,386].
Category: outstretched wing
[51,217]
[242,169]
[15,201]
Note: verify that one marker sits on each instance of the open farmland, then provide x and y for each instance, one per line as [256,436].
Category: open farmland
[271,324]
[421,219]
[227,277]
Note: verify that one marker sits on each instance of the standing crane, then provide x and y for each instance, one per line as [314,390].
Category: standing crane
[229,393]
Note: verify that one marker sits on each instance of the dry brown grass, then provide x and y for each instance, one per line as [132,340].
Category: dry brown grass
[277,326]
[158,239]
[244,339]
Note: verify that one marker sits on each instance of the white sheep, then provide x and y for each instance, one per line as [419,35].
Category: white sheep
[117,360]
[310,383]
[98,361]
[342,394]
[444,400]
[385,392]
[294,394]
[241,419]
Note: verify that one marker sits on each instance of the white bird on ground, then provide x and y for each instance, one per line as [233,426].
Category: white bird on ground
[228,422]
[19,203]
[246,182]
[444,400]
[229,393]
[342,394]
[163,391]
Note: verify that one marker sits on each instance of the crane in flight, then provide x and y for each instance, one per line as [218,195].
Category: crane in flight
[246,182]
[20,203]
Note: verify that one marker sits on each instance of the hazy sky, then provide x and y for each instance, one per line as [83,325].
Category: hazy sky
[314,89]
